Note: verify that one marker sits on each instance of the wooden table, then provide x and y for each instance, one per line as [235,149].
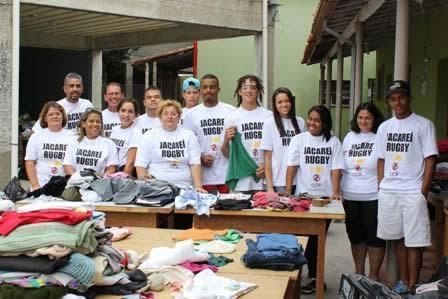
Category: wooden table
[131,215]
[271,284]
[312,222]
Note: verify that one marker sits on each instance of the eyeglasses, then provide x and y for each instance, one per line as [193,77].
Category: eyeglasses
[249,86]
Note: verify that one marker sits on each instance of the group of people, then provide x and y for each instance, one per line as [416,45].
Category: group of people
[381,171]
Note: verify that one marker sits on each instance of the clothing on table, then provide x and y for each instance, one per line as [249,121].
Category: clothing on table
[96,154]
[81,268]
[275,252]
[54,187]
[232,236]
[37,205]
[166,256]
[207,123]
[315,158]
[196,234]
[168,155]
[216,246]
[232,204]
[119,233]
[278,145]
[110,120]
[10,291]
[158,278]
[121,191]
[359,176]
[39,264]
[218,261]
[196,267]
[201,202]
[48,149]
[207,284]
[249,124]
[241,164]
[154,202]
[74,112]
[11,220]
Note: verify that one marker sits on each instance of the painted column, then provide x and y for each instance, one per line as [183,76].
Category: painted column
[97,78]
[401,58]
[359,27]
[340,78]
[129,80]
[321,86]
[9,88]
[146,75]
[328,87]
[352,81]
[154,73]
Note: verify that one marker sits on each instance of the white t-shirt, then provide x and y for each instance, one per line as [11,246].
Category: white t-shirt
[272,141]
[185,110]
[315,158]
[96,154]
[74,113]
[124,139]
[207,123]
[168,155]
[110,120]
[250,124]
[48,149]
[146,123]
[359,177]
[404,144]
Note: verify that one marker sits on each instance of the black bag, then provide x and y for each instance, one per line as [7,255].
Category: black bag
[356,286]
[14,190]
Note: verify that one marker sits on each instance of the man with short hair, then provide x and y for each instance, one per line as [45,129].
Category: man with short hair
[407,153]
[191,93]
[149,120]
[206,120]
[73,104]
[113,94]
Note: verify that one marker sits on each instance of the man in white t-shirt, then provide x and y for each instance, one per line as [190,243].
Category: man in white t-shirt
[191,93]
[149,120]
[407,152]
[113,94]
[207,122]
[73,104]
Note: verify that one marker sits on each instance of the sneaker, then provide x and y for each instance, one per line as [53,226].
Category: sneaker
[310,286]
[401,288]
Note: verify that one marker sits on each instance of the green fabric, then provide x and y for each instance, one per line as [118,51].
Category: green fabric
[10,291]
[80,237]
[218,261]
[241,165]
[71,194]
[232,236]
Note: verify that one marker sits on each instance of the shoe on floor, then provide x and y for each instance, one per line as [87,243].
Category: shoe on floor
[401,288]
[310,286]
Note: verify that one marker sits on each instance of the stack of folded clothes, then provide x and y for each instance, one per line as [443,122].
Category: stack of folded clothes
[276,202]
[50,249]
[274,252]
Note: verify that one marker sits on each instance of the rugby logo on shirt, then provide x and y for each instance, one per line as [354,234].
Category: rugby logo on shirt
[316,178]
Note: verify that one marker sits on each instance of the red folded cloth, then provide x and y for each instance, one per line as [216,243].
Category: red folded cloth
[9,221]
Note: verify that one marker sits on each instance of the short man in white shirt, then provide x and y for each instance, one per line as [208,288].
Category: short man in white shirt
[207,122]
[191,93]
[113,94]
[407,153]
[73,104]
[149,120]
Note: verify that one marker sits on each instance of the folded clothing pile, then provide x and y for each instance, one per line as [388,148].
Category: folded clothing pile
[274,252]
[274,202]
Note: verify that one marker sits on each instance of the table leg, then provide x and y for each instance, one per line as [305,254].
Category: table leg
[321,238]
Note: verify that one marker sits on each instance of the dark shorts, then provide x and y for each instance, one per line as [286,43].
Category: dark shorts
[361,221]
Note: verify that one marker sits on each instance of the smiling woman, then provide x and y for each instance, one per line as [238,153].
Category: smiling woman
[91,149]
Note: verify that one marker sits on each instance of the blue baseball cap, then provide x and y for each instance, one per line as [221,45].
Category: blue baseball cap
[191,82]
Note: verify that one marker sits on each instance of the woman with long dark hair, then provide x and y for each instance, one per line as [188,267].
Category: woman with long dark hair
[277,133]
[315,159]
[360,189]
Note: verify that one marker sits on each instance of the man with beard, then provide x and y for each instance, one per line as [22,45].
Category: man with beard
[73,104]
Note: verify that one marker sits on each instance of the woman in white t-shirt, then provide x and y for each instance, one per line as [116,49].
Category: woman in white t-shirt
[91,150]
[277,133]
[248,120]
[170,152]
[46,149]
[315,159]
[360,189]
[126,135]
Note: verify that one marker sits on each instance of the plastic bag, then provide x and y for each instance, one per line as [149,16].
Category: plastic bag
[14,190]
